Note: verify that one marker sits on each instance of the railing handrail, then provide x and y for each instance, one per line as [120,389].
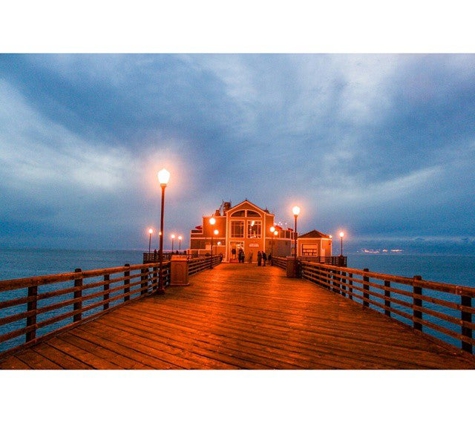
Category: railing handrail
[83,300]
[377,291]
[411,281]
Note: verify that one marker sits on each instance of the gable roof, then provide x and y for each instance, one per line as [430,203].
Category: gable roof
[314,234]
[251,206]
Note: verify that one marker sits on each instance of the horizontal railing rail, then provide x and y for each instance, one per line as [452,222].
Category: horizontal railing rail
[440,310]
[196,265]
[339,260]
[152,257]
[279,261]
[35,308]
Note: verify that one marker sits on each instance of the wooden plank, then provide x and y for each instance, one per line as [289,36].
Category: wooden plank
[82,351]
[115,340]
[13,362]
[60,358]
[36,361]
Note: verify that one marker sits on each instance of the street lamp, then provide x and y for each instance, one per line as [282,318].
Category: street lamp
[179,242]
[296,212]
[212,222]
[173,238]
[149,241]
[163,178]
[341,243]
[272,230]
[215,233]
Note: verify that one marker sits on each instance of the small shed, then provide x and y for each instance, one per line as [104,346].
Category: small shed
[314,244]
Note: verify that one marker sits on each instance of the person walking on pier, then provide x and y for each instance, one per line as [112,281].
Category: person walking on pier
[264,258]
[259,259]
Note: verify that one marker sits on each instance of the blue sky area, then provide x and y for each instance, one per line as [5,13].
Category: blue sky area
[380,145]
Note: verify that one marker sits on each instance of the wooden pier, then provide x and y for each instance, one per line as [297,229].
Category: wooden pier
[241,316]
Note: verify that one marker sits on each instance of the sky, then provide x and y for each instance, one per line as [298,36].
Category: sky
[378,144]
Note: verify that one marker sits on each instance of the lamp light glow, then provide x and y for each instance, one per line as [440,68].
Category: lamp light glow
[163,177]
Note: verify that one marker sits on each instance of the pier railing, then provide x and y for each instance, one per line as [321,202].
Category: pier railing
[339,260]
[440,310]
[35,308]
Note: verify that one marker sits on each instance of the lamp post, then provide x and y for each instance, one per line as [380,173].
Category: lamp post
[163,178]
[272,230]
[341,243]
[214,233]
[179,242]
[149,241]
[296,212]
[212,222]
[173,238]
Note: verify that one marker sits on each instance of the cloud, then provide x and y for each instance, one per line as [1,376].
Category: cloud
[379,143]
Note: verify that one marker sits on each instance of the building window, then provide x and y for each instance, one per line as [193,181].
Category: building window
[238,213]
[253,214]
[309,250]
[253,229]
[237,228]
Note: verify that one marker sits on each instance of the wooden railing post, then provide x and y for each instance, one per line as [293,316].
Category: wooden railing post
[350,286]
[343,283]
[156,269]
[417,314]
[126,284]
[466,317]
[387,295]
[106,291]
[336,282]
[366,288]
[78,295]
[144,279]
[32,307]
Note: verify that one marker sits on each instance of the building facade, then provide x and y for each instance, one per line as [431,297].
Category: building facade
[245,227]
[314,244]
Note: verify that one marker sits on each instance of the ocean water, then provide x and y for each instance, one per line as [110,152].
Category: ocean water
[19,263]
[452,269]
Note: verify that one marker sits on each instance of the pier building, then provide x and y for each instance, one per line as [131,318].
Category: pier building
[251,229]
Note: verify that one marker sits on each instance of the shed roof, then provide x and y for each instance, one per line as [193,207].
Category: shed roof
[314,234]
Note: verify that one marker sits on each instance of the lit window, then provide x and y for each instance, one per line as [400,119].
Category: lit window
[237,228]
[253,229]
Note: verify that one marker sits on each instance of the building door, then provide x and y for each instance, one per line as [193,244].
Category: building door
[234,250]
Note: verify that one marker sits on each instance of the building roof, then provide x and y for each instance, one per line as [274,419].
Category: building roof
[314,234]
[252,205]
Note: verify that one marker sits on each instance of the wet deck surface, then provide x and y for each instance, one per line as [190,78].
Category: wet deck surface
[240,316]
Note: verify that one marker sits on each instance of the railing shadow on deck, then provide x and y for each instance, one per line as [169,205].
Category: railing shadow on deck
[36,308]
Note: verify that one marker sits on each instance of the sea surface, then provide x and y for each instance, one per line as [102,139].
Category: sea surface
[19,263]
[453,269]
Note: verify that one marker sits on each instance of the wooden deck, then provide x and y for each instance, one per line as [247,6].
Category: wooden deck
[240,316]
